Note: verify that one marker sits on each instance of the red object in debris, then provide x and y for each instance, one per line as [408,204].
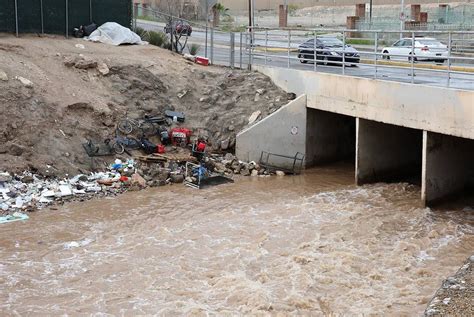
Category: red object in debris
[161,149]
[202,60]
[123,178]
[201,146]
[180,136]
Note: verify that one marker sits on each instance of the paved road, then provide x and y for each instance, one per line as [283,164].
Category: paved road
[221,55]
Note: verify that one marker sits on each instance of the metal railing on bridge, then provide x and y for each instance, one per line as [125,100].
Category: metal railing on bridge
[377,57]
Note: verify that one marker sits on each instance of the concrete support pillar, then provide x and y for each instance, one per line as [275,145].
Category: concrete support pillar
[360,10]
[283,16]
[415,12]
[386,153]
[448,166]
[330,137]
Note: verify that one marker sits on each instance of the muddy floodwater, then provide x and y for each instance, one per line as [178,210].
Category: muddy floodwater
[311,244]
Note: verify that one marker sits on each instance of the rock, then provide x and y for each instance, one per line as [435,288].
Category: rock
[261,91]
[177,178]
[291,96]
[280,173]
[257,98]
[245,171]
[5,177]
[86,64]
[225,144]
[26,82]
[3,76]
[70,61]
[471,258]
[229,157]
[137,180]
[254,173]
[103,69]
[28,179]
[15,149]
[231,128]
[254,116]
[80,46]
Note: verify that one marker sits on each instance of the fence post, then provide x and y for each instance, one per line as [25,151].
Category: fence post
[344,52]
[232,50]
[240,50]
[450,47]
[16,17]
[212,45]
[315,53]
[412,57]
[289,47]
[266,45]
[67,18]
[376,44]
[135,7]
[42,16]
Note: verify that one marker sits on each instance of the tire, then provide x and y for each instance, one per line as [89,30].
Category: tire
[148,128]
[410,57]
[387,57]
[118,148]
[125,126]
[303,59]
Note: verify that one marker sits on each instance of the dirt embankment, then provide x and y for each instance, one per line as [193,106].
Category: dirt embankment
[45,122]
[456,295]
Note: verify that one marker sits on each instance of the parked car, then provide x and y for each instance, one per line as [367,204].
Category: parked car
[180,27]
[425,48]
[328,49]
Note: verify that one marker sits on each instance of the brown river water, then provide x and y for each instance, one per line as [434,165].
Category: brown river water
[310,245]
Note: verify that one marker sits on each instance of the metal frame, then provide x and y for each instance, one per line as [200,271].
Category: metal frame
[297,165]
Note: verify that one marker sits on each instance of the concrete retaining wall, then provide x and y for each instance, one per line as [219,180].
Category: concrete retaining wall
[435,109]
[283,132]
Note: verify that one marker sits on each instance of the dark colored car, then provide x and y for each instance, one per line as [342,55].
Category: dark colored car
[180,27]
[328,49]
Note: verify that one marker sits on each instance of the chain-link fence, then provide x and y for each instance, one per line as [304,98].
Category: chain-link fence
[221,47]
[61,16]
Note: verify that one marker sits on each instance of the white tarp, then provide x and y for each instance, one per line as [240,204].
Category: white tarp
[114,34]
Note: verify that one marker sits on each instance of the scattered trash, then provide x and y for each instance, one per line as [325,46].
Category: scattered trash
[254,116]
[16,216]
[114,34]
[175,115]
[202,61]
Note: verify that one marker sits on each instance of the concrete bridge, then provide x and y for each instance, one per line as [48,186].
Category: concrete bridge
[395,131]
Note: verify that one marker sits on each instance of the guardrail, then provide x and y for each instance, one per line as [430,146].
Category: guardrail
[452,66]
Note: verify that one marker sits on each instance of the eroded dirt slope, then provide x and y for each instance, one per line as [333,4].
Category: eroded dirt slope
[43,126]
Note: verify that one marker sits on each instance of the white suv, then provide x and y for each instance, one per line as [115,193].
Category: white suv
[426,48]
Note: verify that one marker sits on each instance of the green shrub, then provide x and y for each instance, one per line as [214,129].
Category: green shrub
[156,38]
[292,9]
[194,49]
[140,32]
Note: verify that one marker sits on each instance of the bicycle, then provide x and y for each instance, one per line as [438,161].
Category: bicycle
[148,125]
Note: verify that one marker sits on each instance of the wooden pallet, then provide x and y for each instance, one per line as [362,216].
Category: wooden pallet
[177,157]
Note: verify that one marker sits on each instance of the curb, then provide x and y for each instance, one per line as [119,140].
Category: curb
[424,66]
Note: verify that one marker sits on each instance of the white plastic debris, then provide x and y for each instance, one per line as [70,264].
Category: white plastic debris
[65,190]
